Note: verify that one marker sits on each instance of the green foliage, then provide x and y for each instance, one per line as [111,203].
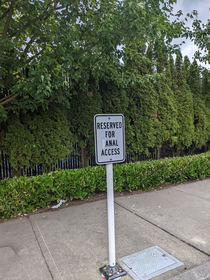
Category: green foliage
[166,124]
[149,56]
[23,195]
[53,40]
[186,68]
[206,87]
[184,102]
[33,139]
[3,114]
[115,99]
[73,47]
[194,79]
[173,74]
[185,118]
[161,55]
[200,36]
[17,142]
[143,102]
[201,122]
[84,106]
[201,113]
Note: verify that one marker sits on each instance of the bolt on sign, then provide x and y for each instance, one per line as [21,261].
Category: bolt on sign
[109,131]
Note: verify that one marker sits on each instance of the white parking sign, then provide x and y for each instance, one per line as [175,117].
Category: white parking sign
[109,133]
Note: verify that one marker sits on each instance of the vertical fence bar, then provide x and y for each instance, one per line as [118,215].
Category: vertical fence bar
[72,162]
[6,165]
[1,167]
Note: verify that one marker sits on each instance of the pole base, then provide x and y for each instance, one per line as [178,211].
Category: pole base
[112,272]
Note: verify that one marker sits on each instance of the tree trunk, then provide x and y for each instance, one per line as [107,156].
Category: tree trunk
[158,153]
[17,172]
[84,157]
[47,169]
[135,157]
[86,162]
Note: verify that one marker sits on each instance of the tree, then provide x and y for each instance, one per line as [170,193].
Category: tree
[143,100]
[161,55]
[149,56]
[200,35]
[206,95]
[184,102]
[201,114]
[166,124]
[186,68]
[205,87]
[179,68]
[36,139]
[194,79]
[115,99]
[172,73]
[166,113]
[43,42]
[49,51]
[84,106]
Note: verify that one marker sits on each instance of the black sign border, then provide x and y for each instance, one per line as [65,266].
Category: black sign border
[95,137]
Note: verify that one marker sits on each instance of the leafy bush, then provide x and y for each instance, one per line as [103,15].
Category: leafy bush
[22,195]
[36,138]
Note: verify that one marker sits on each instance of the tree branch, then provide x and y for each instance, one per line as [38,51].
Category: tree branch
[97,59]
[8,96]
[27,25]
[51,99]
[45,16]
[7,81]
[9,99]
[32,57]
[4,14]
[28,46]
[84,51]
[9,17]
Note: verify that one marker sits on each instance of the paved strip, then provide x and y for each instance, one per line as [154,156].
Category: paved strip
[178,211]
[199,189]
[20,255]
[201,272]
[75,244]
[72,243]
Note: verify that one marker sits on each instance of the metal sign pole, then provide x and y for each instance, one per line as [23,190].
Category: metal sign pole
[113,270]
[110,207]
[109,134]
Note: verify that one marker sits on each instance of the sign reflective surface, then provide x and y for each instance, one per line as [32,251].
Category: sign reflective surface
[109,131]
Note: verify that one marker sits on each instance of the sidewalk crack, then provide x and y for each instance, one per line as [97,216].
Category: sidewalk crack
[192,194]
[41,249]
[171,234]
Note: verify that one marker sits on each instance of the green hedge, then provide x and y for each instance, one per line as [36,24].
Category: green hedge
[22,195]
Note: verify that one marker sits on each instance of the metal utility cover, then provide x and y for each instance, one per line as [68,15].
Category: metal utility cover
[109,132]
[149,263]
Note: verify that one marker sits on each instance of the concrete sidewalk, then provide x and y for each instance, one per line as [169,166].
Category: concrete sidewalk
[72,243]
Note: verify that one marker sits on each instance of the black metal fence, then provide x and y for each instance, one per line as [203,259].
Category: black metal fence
[74,162]
[6,171]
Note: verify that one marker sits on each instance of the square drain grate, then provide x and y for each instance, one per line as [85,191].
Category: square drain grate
[149,263]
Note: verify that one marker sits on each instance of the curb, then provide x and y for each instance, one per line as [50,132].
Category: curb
[201,272]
